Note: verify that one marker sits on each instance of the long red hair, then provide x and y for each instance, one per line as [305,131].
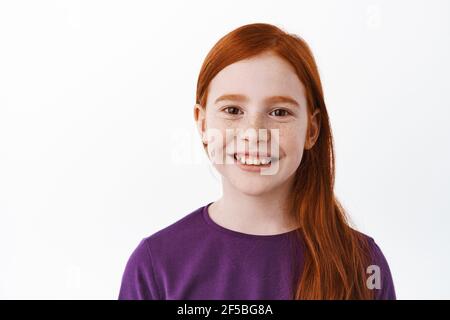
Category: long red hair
[336,255]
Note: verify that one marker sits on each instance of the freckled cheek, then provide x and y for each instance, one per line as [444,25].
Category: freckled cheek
[222,124]
[292,143]
[217,129]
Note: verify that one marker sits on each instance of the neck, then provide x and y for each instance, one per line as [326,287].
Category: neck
[262,214]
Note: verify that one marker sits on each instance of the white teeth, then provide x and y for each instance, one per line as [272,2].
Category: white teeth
[252,160]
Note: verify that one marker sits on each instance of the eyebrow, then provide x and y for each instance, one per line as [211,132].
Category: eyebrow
[243,98]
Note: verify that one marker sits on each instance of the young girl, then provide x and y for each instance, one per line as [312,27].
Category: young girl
[278,231]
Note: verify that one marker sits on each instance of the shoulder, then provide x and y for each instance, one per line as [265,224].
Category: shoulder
[378,272]
[138,280]
[185,230]
[140,277]
[181,233]
[376,253]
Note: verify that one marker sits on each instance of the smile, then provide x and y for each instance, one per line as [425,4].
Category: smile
[252,160]
[252,163]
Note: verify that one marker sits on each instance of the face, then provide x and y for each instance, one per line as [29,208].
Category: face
[257,107]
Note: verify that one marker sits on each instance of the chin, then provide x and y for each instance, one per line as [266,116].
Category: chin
[252,188]
[252,192]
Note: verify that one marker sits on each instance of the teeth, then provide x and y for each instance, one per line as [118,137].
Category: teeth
[252,160]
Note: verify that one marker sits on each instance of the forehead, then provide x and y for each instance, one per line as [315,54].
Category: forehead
[258,77]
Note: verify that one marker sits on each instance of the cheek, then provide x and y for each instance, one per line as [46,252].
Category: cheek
[216,125]
[221,129]
[292,142]
[217,139]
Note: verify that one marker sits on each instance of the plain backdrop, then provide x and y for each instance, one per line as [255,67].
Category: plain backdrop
[98,146]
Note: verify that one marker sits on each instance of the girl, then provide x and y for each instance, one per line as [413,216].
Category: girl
[278,231]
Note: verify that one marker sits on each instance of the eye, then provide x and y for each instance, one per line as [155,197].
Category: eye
[232,110]
[280,112]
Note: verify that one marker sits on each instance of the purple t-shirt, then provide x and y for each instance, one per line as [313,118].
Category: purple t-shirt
[196,258]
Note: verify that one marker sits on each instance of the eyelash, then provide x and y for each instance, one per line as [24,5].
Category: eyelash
[234,107]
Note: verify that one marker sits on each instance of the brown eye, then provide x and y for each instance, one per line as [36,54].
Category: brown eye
[280,112]
[233,110]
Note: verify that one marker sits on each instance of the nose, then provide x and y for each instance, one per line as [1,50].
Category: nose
[254,131]
[256,121]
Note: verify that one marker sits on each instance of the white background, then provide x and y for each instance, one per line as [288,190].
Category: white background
[98,147]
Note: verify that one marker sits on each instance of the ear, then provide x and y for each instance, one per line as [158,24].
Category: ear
[313,129]
[200,119]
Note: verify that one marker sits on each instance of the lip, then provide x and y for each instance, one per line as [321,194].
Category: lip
[249,167]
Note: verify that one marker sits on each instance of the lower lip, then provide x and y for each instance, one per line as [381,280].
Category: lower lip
[249,167]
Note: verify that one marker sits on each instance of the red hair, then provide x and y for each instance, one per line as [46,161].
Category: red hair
[336,255]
